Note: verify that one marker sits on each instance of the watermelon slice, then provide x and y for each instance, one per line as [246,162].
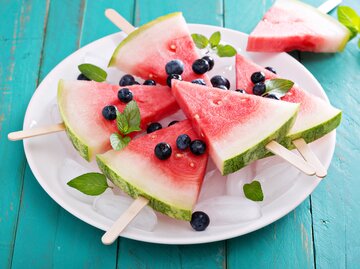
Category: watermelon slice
[316,118]
[81,103]
[145,52]
[293,25]
[236,127]
[173,185]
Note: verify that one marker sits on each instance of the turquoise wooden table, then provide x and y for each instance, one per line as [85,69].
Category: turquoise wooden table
[35,35]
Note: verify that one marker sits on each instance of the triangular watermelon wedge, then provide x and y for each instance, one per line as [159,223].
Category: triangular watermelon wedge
[172,185]
[236,127]
[81,103]
[315,119]
[293,25]
[146,51]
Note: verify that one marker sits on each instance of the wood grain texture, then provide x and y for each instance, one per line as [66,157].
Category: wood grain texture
[335,203]
[134,254]
[21,38]
[58,239]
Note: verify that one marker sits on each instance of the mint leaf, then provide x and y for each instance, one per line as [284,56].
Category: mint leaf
[349,18]
[253,191]
[132,114]
[90,183]
[214,39]
[278,86]
[122,122]
[225,50]
[200,41]
[359,43]
[118,142]
[93,72]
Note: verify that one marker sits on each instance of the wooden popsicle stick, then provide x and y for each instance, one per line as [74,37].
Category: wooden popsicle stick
[19,135]
[290,157]
[329,5]
[119,20]
[310,157]
[120,224]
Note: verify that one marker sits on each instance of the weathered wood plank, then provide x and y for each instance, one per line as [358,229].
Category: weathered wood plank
[335,205]
[21,39]
[58,240]
[134,254]
[286,243]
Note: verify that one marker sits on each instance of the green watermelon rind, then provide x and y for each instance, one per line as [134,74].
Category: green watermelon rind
[331,20]
[138,31]
[160,206]
[259,150]
[314,132]
[77,142]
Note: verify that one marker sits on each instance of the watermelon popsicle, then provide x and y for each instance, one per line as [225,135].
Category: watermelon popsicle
[81,103]
[238,128]
[294,25]
[316,118]
[166,38]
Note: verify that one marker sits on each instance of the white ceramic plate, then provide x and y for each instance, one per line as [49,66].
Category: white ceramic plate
[284,187]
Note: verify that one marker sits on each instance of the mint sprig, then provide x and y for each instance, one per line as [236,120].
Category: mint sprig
[351,20]
[127,122]
[93,72]
[213,43]
[278,86]
[253,191]
[91,183]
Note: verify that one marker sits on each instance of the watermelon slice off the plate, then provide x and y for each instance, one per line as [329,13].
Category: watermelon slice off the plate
[315,119]
[81,103]
[172,186]
[293,25]
[146,51]
[236,127]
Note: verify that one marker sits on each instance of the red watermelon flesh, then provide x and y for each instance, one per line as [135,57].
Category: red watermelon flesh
[81,103]
[146,51]
[293,25]
[235,126]
[316,117]
[171,185]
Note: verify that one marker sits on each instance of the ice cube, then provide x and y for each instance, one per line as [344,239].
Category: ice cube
[227,210]
[214,185]
[68,170]
[235,181]
[113,206]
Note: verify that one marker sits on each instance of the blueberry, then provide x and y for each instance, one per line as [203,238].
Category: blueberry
[109,112]
[163,151]
[200,66]
[271,69]
[199,221]
[220,80]
[197,147]
[240,91]
[136,83]
[259,88]
[172,76]
[153,127]
[257,77]
[150,82]
[199,81]
[127,80]
[83,77]
[223,87]
[174,67]
[183,141]
[210,61]
[272,96]
[125,95]
[173,122]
